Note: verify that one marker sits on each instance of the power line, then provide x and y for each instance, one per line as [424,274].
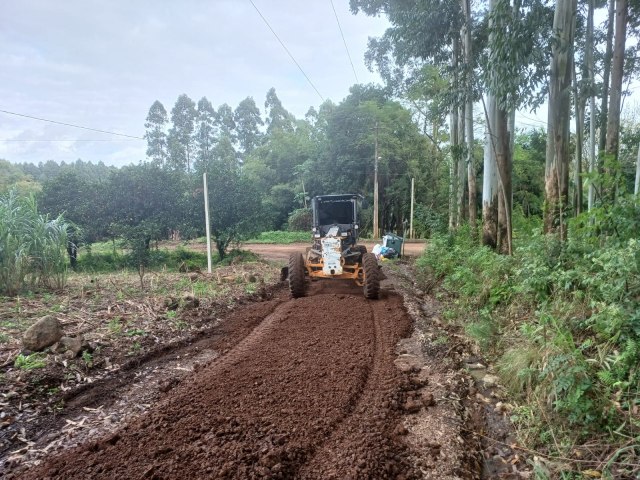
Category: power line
[286,50]
[70,125]
[345,42]
[69,140]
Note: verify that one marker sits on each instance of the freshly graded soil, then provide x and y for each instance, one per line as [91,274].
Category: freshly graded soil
[311,392]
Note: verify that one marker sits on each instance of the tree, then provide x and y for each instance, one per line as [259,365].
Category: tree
[180,140]
[248,122]
[205,134]
[277,117]
[156,135]
[234,203]
[225,122]
[557,162]
[617,71]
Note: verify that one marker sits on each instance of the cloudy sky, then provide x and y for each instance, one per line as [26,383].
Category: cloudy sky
[102,64]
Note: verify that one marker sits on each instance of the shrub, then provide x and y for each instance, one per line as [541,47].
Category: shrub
[32,247]
[300,220]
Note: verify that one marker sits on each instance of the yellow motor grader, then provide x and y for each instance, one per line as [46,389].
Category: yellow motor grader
[335,253]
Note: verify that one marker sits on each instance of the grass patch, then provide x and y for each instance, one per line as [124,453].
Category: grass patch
[281,237]
[30,362]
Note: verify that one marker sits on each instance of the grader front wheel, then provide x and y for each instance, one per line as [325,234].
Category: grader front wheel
[371,276]
[296,275]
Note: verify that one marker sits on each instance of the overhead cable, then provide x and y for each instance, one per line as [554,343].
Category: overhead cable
[345,42]
[71,125]
[286,50]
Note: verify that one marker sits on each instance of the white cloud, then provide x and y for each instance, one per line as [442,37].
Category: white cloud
[102,65]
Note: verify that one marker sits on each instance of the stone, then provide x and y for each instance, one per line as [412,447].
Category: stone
[490,380]
[71,344]
[42,334]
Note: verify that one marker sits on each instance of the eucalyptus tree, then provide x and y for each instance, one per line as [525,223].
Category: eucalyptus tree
[558,156]
[278,118]
[205,133]
[422,35]
[617,72]
[156,134]
[225,122]
[248,122]
[180,139]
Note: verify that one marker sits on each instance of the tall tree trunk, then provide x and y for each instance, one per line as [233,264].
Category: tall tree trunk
[490,180]
[454,142]
[592,101]
[579,105]
[615,98]
[462,167]
[504,167]
[557,162]
[468,76]
[606,75]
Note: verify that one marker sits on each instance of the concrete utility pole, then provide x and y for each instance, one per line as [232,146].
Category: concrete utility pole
[412,200]
[206,221]
[375,189]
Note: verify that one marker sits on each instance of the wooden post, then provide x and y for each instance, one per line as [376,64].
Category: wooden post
[206,221]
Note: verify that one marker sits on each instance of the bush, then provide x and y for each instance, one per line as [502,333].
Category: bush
[300,220]
[562,320]
[32,247]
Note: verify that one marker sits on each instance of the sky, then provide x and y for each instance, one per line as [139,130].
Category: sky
[101,64]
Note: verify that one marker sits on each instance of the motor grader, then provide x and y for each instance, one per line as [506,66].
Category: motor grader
[335,253]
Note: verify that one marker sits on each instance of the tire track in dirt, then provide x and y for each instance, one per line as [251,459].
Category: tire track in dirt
[311,392]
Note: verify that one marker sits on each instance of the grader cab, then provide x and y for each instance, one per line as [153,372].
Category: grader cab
[335,253]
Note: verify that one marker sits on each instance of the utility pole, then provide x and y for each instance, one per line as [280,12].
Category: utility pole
[206,221]
[412,200]
[375,189]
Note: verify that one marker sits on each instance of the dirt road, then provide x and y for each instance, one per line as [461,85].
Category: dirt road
[310,391]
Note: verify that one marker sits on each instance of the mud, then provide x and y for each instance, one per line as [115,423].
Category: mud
[310,391]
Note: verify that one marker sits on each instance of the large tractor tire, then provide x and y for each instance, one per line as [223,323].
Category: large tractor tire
[296,275]
[371,276]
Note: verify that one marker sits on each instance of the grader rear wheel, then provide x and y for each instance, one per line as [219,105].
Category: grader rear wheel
[371,276]
[296,275]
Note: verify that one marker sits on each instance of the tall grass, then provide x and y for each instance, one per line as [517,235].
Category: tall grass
[32,247]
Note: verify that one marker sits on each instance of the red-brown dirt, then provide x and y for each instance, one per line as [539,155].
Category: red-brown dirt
[311,392]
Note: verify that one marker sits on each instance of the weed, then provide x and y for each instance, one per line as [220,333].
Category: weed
[136,348]
[180,325]
[171,314]
[134,332]
[87,358]
[30,362]
[4,338]
[114,325]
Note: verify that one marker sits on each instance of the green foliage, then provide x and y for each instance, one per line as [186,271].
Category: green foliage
[561,318]
[280,237]
[30,362]
[300,220]
[12,177]
[32,247]
[113,261]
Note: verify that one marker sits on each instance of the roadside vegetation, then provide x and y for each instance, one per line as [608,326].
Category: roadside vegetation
[561,322]
[281,237]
